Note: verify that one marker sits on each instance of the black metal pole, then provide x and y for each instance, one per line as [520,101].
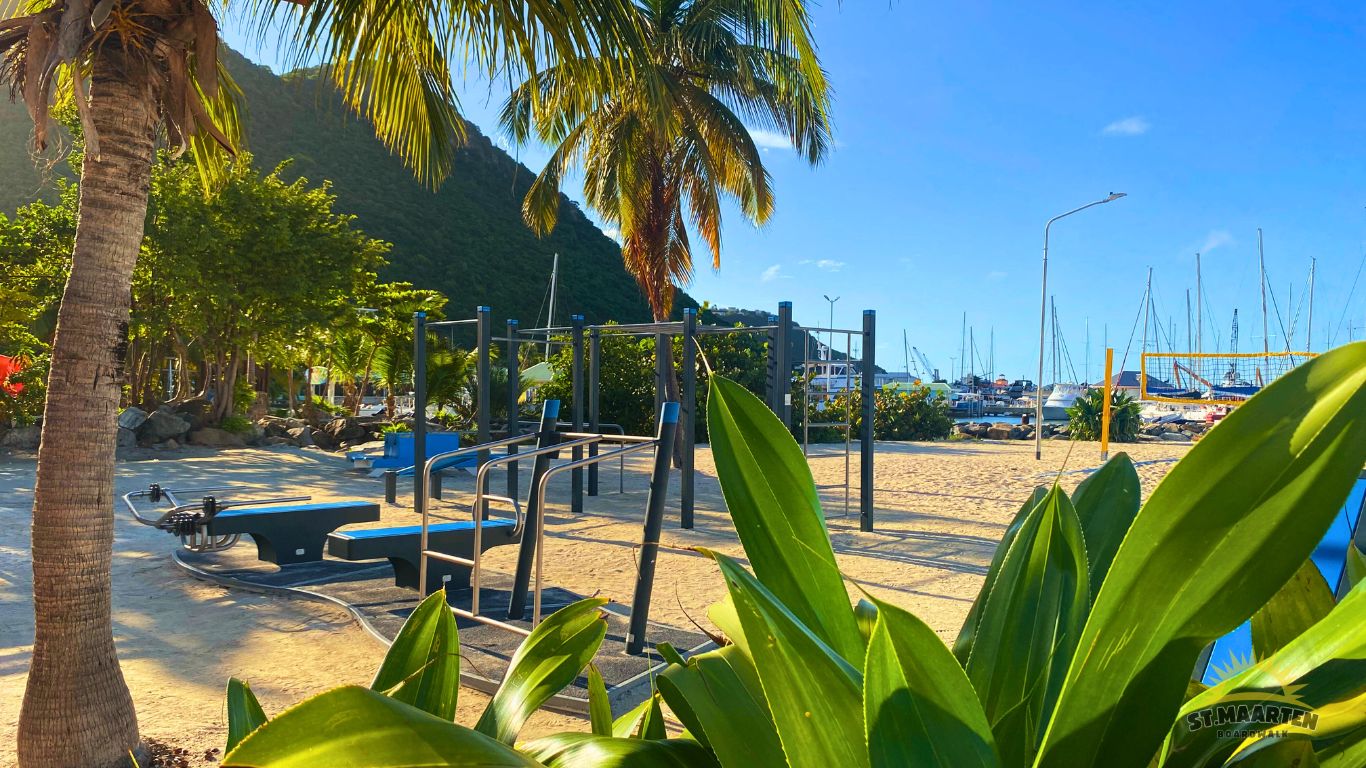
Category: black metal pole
[594,423]
[514,386]
[531,523]
[688,406]
[483,333]
[662,344]
[654,525]
[419,406]
[869,366]
[576,481]
[772,362]
[784,358]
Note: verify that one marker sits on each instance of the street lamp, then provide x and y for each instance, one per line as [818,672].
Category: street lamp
[1043,315]
[830,334]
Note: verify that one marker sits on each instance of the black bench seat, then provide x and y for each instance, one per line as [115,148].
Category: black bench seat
[291,533]
[402,545]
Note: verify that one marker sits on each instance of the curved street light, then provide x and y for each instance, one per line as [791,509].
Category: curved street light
[1043,315]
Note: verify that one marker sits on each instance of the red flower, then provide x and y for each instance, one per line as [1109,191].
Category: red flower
[10,368]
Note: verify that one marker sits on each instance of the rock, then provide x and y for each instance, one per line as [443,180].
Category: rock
[23,438]
[127,438]
[344,429]
[273,426]
[162,425]
[132,418]
[302,435]
[1175,437]
[196,410]
[999,432]
[1060,436]
[1017,433]
[324,440]
[216,438]
[170,445]
[274,441]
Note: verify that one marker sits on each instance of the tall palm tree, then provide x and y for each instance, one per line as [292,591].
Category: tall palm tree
[136,68]
[663,142]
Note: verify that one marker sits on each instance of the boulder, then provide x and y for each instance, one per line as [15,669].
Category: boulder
[274,441]
[344,429]
[302,435]
[323,440]
[216,438]
[273,426]
[23,438]
[1017,433]
[196,410]
[162,425]
[1175,437]
[132,418]
[127,438]
[999,432]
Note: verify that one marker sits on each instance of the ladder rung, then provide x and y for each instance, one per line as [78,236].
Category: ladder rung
[449,558]
[490,622]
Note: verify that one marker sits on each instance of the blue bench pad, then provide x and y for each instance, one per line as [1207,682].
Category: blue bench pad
[416,530]
[295,508]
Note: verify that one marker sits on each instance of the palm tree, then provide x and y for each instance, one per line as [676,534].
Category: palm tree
[134,68]
[664,141]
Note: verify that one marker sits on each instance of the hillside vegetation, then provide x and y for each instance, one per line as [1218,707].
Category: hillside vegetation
[466,240]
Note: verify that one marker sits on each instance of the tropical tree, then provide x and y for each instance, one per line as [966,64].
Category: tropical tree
[133,68]
[663,144]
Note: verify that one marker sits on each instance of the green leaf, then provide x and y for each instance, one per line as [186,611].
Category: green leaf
[865,613]
[1322,671]
[1030,626]
[772,499]
[1356,563]
[718,697]
[962,647]
[1223,531]
[919,708]
[1298,605]
[422,666]
[1107,503]
[1277,752]
[586,750]
[669,654]
[353,727]
[244,712]
[628,725]
[599,707]
[810,689]
[549,659]
[652,724]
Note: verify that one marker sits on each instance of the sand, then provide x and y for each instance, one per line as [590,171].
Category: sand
[941,508]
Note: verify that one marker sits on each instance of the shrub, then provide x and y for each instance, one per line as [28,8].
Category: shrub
[1078,650]
[1084,416]
[916,414]
[238,425]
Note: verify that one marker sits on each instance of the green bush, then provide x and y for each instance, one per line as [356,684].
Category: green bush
[917,414]
[1077,651]
[238,425]
[1084,416]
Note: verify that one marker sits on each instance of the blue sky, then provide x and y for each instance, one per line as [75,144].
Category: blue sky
[962,127]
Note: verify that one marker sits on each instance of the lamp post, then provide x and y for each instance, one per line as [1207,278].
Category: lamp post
[830,335]
[1043,316]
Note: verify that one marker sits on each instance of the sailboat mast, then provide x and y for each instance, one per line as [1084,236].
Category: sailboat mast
[550,319]
[1266,340]
[1309,329]
[1199,309]
[962,347]
[1147,304]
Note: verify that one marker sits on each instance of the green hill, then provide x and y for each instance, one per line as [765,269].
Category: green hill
[466,240]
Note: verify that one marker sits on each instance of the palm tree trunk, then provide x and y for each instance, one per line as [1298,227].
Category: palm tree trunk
[77,710]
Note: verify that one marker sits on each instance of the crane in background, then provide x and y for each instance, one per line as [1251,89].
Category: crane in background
[926,365]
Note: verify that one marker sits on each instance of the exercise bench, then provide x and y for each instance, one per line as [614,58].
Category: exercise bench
[402,547]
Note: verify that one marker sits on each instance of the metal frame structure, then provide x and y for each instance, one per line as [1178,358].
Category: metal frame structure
[585,341]
[530,525]
[188,520]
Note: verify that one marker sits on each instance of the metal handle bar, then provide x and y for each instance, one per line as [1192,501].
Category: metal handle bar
[541,488]
[513,458]
[516,440]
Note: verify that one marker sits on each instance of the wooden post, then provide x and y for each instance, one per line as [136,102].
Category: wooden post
[1105,406]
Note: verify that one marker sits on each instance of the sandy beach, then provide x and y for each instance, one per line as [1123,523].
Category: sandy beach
[941,508]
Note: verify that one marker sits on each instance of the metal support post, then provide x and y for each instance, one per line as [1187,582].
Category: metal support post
[576,479]
[535,513]
[419,407]
[594,374]
[514,392]
[688,409]
[654,525]
[869,365]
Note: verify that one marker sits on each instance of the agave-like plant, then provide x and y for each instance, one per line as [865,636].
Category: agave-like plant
[1078,650]
[1084,416]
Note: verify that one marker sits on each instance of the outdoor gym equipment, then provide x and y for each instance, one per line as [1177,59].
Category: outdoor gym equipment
[285,533]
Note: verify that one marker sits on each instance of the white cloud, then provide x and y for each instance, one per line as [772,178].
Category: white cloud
[613,233]
[1129,126]
[765,139]
[1216,239]
[771,274]
[825,265]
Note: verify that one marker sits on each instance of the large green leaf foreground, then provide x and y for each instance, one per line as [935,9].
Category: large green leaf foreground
[1077,652]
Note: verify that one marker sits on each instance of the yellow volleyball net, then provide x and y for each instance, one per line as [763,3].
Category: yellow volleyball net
[1211,378]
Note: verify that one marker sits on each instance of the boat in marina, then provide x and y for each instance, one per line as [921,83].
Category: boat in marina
[1060,399]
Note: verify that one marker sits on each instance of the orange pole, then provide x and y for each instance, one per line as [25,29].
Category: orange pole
[1105,406]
